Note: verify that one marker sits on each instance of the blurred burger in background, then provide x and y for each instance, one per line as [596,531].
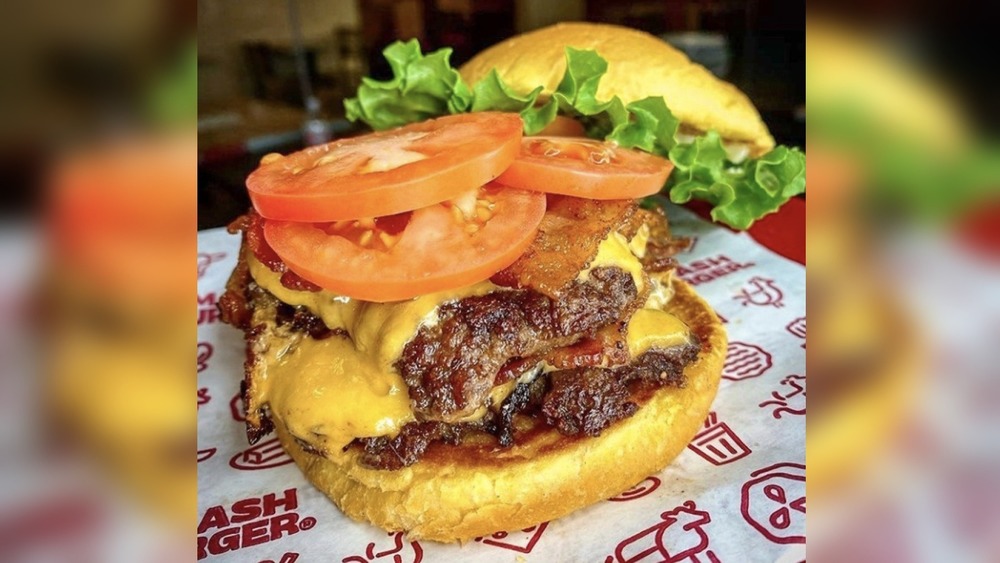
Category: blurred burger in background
[98,280]
[899,297]
[114,324]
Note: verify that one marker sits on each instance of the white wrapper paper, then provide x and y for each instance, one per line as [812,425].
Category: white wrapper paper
[736,494]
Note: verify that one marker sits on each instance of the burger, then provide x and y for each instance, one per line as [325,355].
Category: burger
[465,322]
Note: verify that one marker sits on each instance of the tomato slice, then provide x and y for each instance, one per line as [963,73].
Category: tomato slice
[434,248]
[386,172]
[585,168]
[563,126]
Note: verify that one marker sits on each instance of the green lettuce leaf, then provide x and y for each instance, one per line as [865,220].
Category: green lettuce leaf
[740,193]
[426,86]
[492,94]
[422,87]
[645,124]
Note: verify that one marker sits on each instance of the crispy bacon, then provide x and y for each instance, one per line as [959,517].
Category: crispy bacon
[567,241]
[661,247]
[252,226]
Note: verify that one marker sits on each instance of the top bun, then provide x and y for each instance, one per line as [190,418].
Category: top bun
[639,65]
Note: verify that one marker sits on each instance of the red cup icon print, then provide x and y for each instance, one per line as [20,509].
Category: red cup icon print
[717,443]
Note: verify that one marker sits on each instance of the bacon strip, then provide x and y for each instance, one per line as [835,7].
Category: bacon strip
[567,241]
[252,226]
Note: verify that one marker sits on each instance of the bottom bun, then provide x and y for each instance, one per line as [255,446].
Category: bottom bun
[457,493]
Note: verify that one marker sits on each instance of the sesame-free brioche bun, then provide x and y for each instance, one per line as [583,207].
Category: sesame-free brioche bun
[639,65]
[456,493]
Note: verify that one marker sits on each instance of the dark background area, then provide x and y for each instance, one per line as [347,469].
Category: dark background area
[251,101]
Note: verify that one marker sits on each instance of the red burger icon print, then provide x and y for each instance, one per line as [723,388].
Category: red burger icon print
[264,455]
[717,443]
[762,292]
[679,536]
[773,501]
[744,361]
[400,551]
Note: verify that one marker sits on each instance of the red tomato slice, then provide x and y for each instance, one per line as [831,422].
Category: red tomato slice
[431,249]
[585,168]
[563,126]
[386,172]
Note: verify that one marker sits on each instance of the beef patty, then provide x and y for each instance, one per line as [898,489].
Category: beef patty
[451,366]
[579,401]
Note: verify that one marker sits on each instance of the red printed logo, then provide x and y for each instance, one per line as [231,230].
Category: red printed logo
[717,443]
[203,397]
[205,454]
[400,551]
[774,502]
[744,361]
[208,312]
[522,541]
[677,537]
[791,399]
[264,455]
[236,407]
[251,521]
[288,557]
[711,268]
[648,485]
[762,292]
[205,351]
[206,259]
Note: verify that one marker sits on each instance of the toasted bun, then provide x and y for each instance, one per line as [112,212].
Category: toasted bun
[457,493]
[860,70]
[639,65]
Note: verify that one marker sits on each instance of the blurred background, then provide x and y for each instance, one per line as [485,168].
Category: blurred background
[271,75]
[98,232]
[903,249]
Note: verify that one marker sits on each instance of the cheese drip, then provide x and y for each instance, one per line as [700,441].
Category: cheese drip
[329,392]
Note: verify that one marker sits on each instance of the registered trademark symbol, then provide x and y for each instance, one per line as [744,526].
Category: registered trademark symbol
[307,522]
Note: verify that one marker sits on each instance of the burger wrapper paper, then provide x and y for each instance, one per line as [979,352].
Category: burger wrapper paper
[736,493]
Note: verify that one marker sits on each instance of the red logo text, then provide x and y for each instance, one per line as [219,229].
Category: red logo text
[208,313]
[708,269]
[251,521]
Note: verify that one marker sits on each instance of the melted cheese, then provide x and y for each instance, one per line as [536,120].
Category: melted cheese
[379,330]
[653,328]
[330,391]
[615,251]
[328,394]
[334,390]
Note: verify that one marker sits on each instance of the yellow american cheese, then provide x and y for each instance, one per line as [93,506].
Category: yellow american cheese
[330,391]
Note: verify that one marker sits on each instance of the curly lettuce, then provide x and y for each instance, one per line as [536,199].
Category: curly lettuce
[426,86]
